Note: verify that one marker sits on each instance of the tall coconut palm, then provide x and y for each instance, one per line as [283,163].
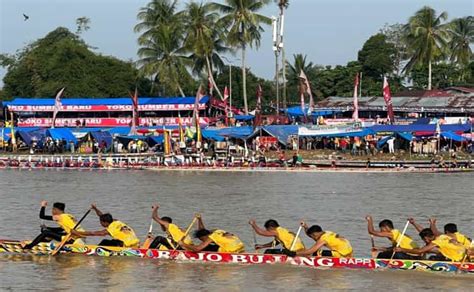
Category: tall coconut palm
[204,39]
[462,36]
[283,5]
[244,25]
[160,51]
[427,38]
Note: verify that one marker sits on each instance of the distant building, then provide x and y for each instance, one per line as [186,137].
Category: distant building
[453,101]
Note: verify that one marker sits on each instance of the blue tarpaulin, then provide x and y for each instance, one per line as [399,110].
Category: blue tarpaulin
[281,132]
[18,101]
[421,128]
[32,136]
[154,140]
[297,112]
[212,134]
[453,136]
[244,117]
[406,136]
[236,132]
[61,133]
[382,141]
[361,133]
[101,136]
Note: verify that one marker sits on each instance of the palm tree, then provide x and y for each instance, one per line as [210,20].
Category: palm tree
[245,27]
[204,39]
[283,5]
[462,36]
[426,36]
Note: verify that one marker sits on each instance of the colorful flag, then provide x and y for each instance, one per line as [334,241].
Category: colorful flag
[210,83]
[57,105]
[258,110]
[166,142]
[355,114]
[199,96]
[12,131]
[307,88]
[388,100]
[135,117]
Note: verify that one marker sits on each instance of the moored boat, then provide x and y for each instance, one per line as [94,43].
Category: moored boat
[14,247]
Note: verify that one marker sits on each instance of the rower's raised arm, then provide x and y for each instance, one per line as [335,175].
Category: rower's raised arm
[97,211]
[417,226]
[261,231]
[433,227]
[157,218]
[42,214]
[200,222]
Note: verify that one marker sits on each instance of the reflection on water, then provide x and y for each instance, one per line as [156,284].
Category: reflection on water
[338,202]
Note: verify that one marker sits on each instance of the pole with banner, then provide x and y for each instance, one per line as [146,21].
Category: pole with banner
[355,114]
[57,105]
[388,100]
[135,117]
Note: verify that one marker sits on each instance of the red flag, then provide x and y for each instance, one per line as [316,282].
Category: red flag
[226,110]
[387,96]
[135,116]
[57,105]
[355,114]
[258,110]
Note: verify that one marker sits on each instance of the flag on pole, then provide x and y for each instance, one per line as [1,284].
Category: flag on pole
[258,110]
[355,114]
[388,100]
[57,105]
[307,88]
[199,96]
[180,128]
[135,117]
[12,131]
[226,110]
[166,142]
[209,81]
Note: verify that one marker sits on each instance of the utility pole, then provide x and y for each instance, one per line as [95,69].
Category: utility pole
[276,50]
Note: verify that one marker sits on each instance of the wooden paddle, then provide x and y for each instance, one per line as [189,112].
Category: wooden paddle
[466,256]
[68,236]
[400,240]
[373,251]
[148,240]
[187,231]
[296,238]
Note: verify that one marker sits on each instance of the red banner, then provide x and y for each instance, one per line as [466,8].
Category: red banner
[106,122]
[105,108]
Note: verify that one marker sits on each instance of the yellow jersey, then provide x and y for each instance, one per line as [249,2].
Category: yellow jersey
[227,242]
[286,238]
[67,222]
[462,239]
[120,231]
[340,247]
[175,234]
[450,248]
[406,241]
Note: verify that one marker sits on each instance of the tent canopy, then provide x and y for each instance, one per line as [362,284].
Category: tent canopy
[453,136]
[297,112]
[281,132]
[421,128]
[102,136]
[61,133]
[32,136]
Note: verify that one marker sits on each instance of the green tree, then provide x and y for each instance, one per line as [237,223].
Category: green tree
[377,57]
[62,59]
[462,36]
[426,38]
[394,34]
[161,54]
[83,24]
[244,23]
[204,39]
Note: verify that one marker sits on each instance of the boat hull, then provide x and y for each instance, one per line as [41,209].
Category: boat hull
[244,258]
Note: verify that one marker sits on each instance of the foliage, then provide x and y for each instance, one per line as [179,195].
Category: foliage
[83,24]
[377,57]
[62,59]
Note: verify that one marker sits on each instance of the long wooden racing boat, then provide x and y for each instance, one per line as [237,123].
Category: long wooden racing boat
[14,247]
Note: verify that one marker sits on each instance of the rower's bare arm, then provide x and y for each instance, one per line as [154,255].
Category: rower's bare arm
[97,211]
[196,248]
[422,250]
[200,222]
[93,233]
[312,250]
[157,218]
[261,231]
[433,227]
[372,231]
[266,245]
[417,226]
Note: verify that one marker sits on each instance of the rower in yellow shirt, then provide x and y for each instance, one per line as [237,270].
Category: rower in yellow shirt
[173,232]
[387,230]
[122,235]
[449,248]
[66,223]
[451,230]
[216,239]
[339,247]
[281,236]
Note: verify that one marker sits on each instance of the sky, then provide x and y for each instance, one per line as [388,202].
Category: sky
[330,32]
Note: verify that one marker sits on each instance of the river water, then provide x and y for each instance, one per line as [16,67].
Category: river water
[336,201]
